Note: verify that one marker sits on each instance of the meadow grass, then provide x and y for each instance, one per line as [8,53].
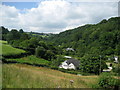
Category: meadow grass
[26,76]
[7,50]
[31,60]
[0,75]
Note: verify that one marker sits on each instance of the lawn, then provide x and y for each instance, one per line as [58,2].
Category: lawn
[7,50]
[26,76]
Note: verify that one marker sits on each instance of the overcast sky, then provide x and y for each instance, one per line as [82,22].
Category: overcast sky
[54,16]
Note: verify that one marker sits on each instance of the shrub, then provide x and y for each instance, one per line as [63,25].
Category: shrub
[40,52]
[90,63]
[117,69]
[106,80]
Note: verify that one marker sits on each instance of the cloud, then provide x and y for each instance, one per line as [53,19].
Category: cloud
[57,16]
[9,16]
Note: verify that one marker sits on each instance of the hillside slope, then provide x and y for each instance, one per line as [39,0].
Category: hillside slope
[25,76]
[102,38]
[8,50]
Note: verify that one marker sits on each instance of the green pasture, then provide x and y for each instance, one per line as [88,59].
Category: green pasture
[7,50]
[31,60]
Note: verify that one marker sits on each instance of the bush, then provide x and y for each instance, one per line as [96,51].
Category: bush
[40,52]
[90,63]
[106,80]
[117,69]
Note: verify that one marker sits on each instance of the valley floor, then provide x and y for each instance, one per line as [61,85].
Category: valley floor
[26,76]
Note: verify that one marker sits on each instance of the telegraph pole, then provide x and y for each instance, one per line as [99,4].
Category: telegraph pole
[100,65]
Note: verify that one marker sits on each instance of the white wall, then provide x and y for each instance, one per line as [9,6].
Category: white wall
[66,66]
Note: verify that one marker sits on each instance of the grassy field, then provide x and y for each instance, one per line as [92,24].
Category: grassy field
[25,76]
[6,49]
[31,60]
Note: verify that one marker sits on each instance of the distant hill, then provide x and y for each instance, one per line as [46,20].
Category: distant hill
[36,34]
[102,38]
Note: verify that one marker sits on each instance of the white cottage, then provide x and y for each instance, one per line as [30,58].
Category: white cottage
[70,64]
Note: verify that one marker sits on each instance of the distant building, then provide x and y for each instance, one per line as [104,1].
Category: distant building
[68,57]
[116,59]
[109,68]
[70,49]
[70,64]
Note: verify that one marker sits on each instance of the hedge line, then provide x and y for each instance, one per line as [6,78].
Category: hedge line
[10,62]
[16,55]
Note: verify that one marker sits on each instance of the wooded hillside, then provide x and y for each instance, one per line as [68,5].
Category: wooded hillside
[102,38]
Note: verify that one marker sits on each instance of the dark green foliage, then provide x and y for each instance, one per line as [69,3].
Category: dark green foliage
[3,32]
[40,52]
[45,52]
[103,37]
[43,44]
[24,36]
[91,63]
[117,69]
[56,62]
[24,44]
[13,35]
[21,31]
[33,43]
[106,80]
[103,21]
[49,55]
[29,44]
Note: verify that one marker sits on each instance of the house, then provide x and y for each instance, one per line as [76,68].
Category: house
[109,68]
[70,64]
[70,49]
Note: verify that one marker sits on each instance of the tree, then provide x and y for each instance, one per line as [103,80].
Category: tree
[103,21]
[49,55]
[21,31]
[40,52]
[91,63]
[13,35]
[43,44]
[3,32]
[24,36]
[33,43]
[56,62]
[106,80]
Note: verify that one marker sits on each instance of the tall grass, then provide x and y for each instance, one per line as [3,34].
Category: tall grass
[25,76]
[0,75]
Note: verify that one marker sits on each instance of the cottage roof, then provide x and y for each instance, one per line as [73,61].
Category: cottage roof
[74,61]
